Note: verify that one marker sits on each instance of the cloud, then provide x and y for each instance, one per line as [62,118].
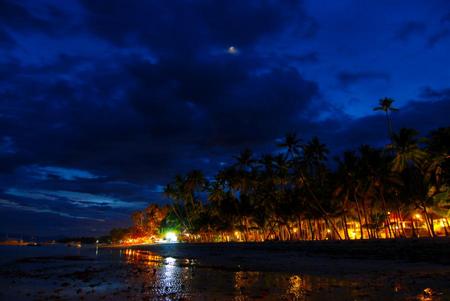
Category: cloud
[16,206]
[79,199]
[187,27]
[310,57]
[445,18]
[348,78]
[5,39]
[438,37]
[7,146]
[409,29]
[435,94]
[426,113]
[69,174]
[14,15]
[102,104]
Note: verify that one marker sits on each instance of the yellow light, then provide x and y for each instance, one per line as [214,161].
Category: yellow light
[328,230]
[418,216]
[389,212]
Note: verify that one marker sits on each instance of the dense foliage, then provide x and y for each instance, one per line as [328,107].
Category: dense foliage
[401,190]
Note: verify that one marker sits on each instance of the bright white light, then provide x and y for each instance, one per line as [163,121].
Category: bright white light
[171,237]
[232,50]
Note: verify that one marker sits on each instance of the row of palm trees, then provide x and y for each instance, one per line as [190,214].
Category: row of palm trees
[401,190]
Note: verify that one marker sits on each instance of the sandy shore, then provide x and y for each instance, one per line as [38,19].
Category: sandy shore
[273,271]
[318,257]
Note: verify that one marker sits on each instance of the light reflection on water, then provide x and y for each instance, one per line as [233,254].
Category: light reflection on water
[140,274]
[297,287]
[184,278]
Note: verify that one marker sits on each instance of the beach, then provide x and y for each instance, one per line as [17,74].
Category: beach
[329,270]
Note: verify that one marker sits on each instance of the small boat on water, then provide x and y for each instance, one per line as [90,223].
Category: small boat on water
[33,244]
[74,244]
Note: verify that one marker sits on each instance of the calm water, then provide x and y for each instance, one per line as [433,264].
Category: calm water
[58,272]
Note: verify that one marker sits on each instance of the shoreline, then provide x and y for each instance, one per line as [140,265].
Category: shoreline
[431,250]
[315,258]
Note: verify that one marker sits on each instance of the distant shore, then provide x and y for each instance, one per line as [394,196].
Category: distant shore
[22,243]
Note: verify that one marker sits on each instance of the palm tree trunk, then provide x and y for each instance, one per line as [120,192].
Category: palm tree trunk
[429,222]
[413,234]
[359,216]
[389,122]
[319,206]
[300,230]
[366,219]
[318,230]
[400,217]
[446,225]
[311,229]
[387,223]
[344,222]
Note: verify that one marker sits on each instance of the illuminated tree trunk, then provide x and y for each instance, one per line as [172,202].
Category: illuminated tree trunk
[387,223]
[300,230]
[358,209]
[413,234]
[429,222]
[344,223]
[369,233]
[445,226]
[402,229]
[311,229]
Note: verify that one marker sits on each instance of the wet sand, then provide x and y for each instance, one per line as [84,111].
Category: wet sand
[222,272]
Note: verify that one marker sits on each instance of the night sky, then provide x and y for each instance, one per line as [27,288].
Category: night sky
[103,102]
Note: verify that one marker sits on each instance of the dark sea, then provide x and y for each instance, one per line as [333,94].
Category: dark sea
[208,272]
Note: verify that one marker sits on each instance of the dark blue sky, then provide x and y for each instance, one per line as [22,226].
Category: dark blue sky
[103,102]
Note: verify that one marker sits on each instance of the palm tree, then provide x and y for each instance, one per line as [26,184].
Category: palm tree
[438,148]
[185,191]
[311,184]
[347,187]
[407,150]
[176,191]
[294,195]
[385,105]
[315,153]
[409,161]
[194,184]
[292,145]
[245,160]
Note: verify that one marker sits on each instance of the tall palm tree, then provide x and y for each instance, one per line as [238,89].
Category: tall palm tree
[177,192]
[315,153]
[347,187]
[195,183]
[438,148]
[294,195]
[245,160]
[292,144]
[385,105]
